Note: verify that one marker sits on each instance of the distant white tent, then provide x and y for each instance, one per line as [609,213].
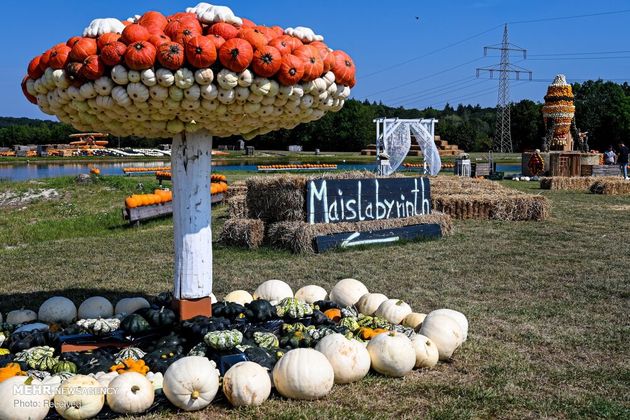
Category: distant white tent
[393,137]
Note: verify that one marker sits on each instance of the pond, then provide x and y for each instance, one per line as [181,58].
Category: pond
[26,171]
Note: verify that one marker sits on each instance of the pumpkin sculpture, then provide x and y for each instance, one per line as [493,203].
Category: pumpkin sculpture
[150,91]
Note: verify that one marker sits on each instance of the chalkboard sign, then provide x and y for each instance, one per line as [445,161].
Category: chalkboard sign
[377,237]
[357,200]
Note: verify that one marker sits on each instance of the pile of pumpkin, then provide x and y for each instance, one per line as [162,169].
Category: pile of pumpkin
[161,196]
[157,76]
[300,166]
[134,170]
[300,343]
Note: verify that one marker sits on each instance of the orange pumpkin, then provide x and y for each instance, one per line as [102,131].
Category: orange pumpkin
[70,43]
[112,54]
[333,314]
[313,63]
[82,49]
[155,22]
[267,61]
[140,55]
[130,365]
[134,33]
[182,30]
[254,37]
[34,72]
[369,333]
[106,39]
[59,56]
[278,31]
[171,55]
[291,71]
[200,52]
[236,54]
[74,71]
[11,370]
[158,39]
[266,31]
[344,68]
[247,23]
[93,67]
[224,30]
[217,40]
[131,202]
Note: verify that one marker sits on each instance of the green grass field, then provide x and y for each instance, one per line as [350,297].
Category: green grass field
[548,302]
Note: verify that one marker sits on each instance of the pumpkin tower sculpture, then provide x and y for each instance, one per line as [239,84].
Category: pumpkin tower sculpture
[190,76]
[559,117]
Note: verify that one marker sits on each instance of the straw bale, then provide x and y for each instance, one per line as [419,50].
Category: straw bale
[611,186]
[567,183]
[494,206]
[236,188]
[237,206]
[298,236]
[246,233]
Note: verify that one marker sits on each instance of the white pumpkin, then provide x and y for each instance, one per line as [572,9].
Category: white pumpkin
[311,293]
[120,96]
[138,92]
[304,34]
[102,26]
[204,76]
[413,320]
[347,292]
[79,397]
[393,310]
[87,91]
[458,317]
[131,305]
[239,296]
[273,291]
[57,309]
[445,332]
[349,358]
[30,404]
[427,354]
[227,79]
[156,379]
[392,354]
[164,77]
[369,303]
[105,378]
[213,298]
[134,76]
[131,393]
[96,307]
[191,383]
[120,75]
[184,78]
[303,374]
[20,316]
[246,384]
[246,78]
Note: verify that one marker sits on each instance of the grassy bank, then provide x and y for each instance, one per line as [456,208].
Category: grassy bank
[547,302]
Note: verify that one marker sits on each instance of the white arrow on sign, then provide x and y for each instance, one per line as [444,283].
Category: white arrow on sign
[350,241]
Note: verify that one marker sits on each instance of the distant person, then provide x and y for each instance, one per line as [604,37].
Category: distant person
[622,160]
[610,156]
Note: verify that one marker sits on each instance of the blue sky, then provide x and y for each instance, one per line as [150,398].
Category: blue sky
[401,60]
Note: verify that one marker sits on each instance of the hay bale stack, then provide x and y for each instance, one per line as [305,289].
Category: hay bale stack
[237,207]
[611,186]
[299,236]
[237,188]
[567,183]
[245,233]
[282,198]
[509,206]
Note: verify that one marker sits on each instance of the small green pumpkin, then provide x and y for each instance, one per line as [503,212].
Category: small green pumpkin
[409,332]
[349,311]
[4,352]
[350,323]
[159,318]
[34,353]
[200,349]
[266,340]
[135,324]
[64,366]
[373,322]
[223,340]
[293,308]
[321,332]
[46,363]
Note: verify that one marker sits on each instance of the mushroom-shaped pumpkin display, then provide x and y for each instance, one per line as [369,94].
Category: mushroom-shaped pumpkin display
[190,76]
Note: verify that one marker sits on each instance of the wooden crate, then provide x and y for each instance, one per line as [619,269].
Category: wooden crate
[565,164]
[480,169]
[606,170]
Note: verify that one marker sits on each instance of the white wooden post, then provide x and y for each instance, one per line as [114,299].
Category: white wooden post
[191,157]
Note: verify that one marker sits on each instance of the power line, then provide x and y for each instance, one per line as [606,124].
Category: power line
[426,97]
[579,53]
[410,82]
[472,95]
[425,91]
[579,58]
[437,50]
[614,12]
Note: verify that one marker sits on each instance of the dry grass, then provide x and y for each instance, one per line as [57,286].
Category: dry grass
[547,302]
[246,233]
[299,237]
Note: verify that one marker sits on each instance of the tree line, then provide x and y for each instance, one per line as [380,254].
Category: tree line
[602,109]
